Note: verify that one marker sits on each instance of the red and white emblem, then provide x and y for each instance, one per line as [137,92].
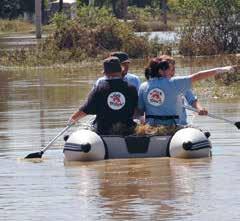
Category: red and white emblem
[156,97]
[116,100]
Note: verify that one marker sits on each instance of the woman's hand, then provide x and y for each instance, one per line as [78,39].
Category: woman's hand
[202,111]
[229,69]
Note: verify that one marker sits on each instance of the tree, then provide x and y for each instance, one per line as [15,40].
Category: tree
[13,9]
[82,2]
[10,9]
[164,7]
[123,6]
[60,5]
[28,5]
[213,27]
[141,3]
[120,8]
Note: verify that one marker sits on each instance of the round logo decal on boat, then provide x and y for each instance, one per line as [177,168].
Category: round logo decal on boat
[116,100]
[156,97]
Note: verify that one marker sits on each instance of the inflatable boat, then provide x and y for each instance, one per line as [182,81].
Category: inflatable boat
[86,145]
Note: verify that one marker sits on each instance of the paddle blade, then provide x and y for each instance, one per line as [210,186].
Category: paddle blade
[34,155]
[237,124]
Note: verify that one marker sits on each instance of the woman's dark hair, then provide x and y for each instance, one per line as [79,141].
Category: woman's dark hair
[153,67]
[163,65]
[147,73]
[151,70]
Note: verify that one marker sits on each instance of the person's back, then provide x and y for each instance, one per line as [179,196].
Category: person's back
[132,79]
[114,102]
[158,99]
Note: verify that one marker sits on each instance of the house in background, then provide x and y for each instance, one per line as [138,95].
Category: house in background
[69,8]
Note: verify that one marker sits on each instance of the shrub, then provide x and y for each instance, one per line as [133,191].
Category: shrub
[213,27]
[137,47]
[94,32]
[198,41]
[139,17]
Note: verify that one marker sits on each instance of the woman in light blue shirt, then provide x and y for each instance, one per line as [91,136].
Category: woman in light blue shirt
[158,97]
[189,98]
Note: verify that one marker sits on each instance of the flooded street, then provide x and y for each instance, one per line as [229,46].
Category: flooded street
[35,105]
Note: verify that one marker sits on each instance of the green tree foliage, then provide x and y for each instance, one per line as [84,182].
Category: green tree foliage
[60,5]
[13,9]
[213,27]
[119,7]
[10,9]
[86,2]
[142,4]
[29,5]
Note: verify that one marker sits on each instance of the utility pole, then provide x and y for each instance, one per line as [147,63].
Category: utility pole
[60,6]
[91,4]
[164,10]
[38,18]
[124,9]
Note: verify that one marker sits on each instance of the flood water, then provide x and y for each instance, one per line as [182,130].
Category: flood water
[35,105]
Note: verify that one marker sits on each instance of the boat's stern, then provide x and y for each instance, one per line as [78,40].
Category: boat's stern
[84,145]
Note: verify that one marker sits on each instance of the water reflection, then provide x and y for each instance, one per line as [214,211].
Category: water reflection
[148,189]
[131,187]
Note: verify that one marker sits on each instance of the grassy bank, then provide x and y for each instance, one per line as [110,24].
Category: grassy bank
[216,90]
[12,26]
[223,86]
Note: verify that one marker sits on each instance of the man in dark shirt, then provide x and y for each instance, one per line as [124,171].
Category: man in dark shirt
[112,100]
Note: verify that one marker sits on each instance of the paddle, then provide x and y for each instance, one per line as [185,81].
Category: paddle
[41,152]
[237,124]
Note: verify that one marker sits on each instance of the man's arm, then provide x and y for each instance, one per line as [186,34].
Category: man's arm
[76,116]
[89,107]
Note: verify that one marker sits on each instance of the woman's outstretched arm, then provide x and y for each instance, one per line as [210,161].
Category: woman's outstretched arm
[210,73]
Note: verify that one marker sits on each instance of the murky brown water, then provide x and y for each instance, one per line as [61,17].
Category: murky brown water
[34,107]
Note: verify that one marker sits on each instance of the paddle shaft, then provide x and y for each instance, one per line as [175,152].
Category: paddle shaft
[58,135]
[210,115]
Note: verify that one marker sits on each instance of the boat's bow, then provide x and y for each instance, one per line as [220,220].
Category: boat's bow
[190,143]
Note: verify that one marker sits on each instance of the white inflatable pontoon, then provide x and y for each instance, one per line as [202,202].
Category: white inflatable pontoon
[86,145]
